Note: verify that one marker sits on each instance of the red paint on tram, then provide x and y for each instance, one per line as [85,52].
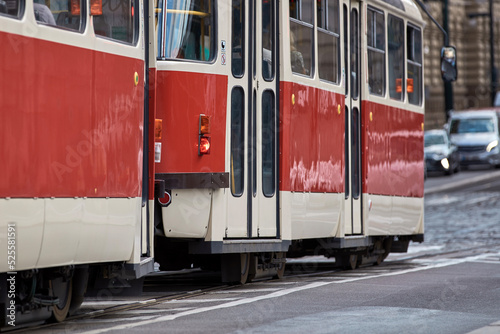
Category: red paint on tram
[393,158]
[311,139]
[77,128]
[181,98]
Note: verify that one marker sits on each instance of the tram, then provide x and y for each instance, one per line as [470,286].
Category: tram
[222,134]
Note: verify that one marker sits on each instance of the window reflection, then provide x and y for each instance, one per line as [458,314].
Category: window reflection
[60,13]
[376,51]
[395,42]
[186,30]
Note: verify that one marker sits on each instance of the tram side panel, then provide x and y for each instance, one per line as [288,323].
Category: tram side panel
[311,160]
[393,169]
[64,142]
[71,134]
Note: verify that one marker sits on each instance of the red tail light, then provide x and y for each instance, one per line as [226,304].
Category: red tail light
[204,145]
[203,129]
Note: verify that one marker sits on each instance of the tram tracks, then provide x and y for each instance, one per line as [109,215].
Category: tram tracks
[301,271]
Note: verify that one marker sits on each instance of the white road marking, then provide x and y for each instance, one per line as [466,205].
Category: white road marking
[177,309]
[284,292]
[246,291]
[94,320]
[109,302]
[195,301]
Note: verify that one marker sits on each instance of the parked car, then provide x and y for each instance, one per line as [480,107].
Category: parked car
[476,134]
[440,154]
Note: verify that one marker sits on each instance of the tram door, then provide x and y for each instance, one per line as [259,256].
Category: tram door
[352,58]
[252,203]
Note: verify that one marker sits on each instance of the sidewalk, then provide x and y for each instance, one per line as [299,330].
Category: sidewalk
[453,184]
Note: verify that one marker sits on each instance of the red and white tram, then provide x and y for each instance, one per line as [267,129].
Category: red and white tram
[315,114]
[73,129]
[215,133]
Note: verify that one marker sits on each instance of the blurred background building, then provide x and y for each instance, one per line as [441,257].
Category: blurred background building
[469,30]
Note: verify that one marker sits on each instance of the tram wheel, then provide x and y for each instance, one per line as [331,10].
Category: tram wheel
[63,291]
[386,246]
[347,261]
[79,286]
[245,266]
[281,268]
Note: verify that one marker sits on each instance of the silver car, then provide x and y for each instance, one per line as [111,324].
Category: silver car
[440,154]
[476,134]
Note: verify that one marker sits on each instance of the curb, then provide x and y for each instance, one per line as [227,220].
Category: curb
[493,328]
[462,183]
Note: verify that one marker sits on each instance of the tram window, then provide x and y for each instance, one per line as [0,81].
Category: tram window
[414,59]
[346,49]
[376,51]
[268,143]
[268,40]
[328,40]
[355,80]
[12,8]
[238,38]
[356,153]
[237,141]
[301,36]
[117,19]
[395,42]
[187,30]
[60,13]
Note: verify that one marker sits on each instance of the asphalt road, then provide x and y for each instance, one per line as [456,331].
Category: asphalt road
[449,284]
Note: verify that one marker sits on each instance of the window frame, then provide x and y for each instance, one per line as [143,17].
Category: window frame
[214,41]
[414,62]
[323,27]
[304,24]
[402,96]
[374,48]
[83,19]
[20,12]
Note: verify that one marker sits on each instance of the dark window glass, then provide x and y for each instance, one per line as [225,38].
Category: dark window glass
[268,143]
[307,11]
[395,44]
[328,40]
[346,152]
[253,38]
[355,147]
[301,36]
[414,59]
[376,51]
[238,39]
[186,30]
[237,170]
[60,13]
[346,62]
[268,40]
[13,8]
[354,54]
[253,150]
[117,19]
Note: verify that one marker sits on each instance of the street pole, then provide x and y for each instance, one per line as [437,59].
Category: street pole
[492,54]
[448,88]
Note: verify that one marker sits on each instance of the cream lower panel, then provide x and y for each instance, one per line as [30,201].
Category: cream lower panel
[310,215]
[188,215]
[63,231]
[394,215]
[26,216]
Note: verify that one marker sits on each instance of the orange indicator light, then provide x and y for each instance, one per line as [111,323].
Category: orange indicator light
[158,127]
[409,85]
[399,85]
[95,7]
[204,124]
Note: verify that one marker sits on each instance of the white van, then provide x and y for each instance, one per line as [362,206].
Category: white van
[476,134]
